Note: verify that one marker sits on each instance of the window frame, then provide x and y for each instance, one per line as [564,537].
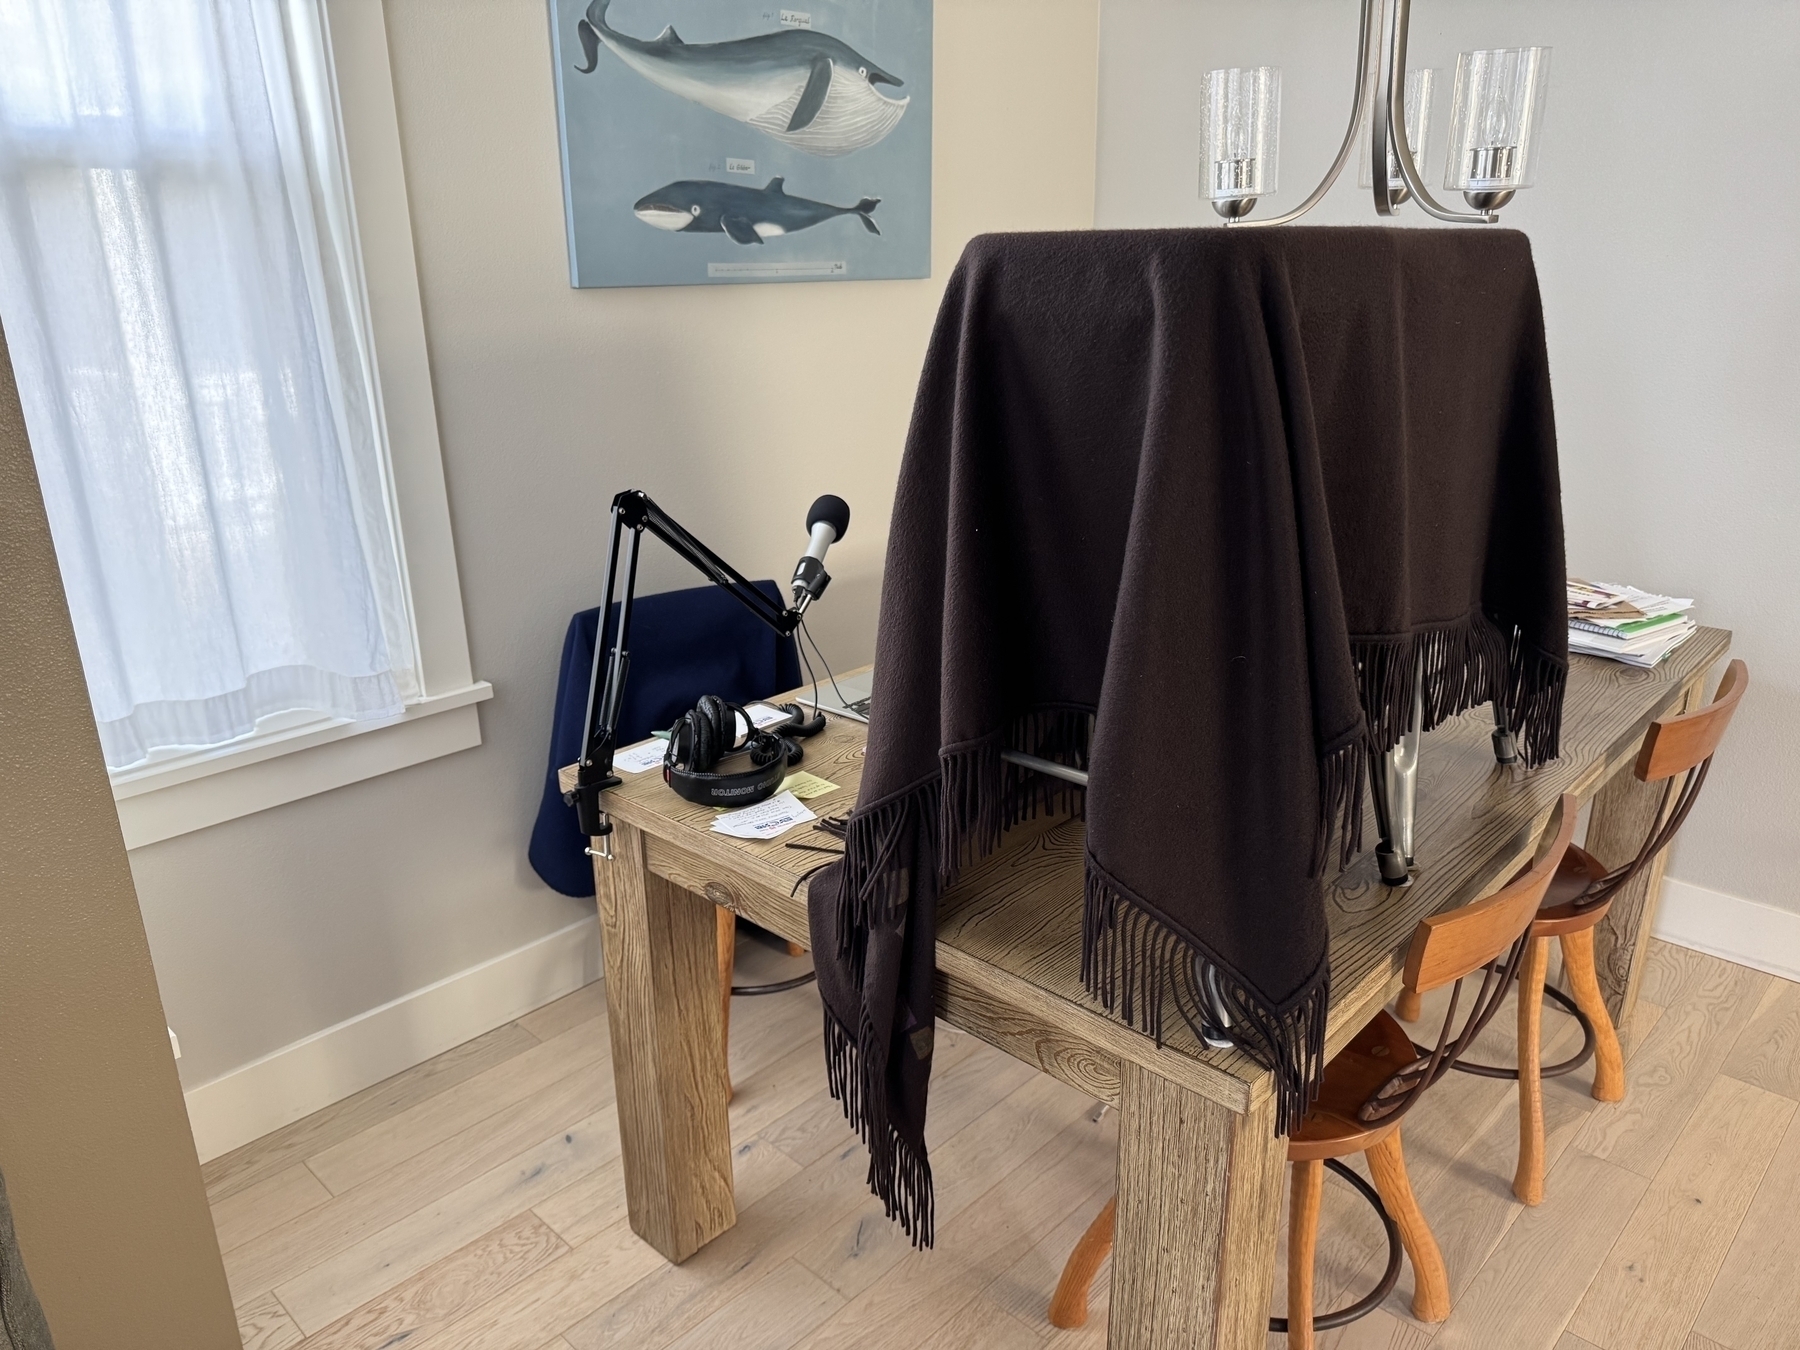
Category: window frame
[292,756]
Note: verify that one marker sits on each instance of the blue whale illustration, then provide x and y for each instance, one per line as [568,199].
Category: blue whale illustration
[809,90]
[749,215]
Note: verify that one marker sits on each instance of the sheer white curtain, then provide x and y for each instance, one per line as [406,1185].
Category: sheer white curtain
[181,293]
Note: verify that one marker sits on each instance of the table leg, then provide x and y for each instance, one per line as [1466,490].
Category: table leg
[1199,1205]
[1624,814]
[660,946]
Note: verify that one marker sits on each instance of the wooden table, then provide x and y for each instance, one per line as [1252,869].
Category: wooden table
[1200,1169]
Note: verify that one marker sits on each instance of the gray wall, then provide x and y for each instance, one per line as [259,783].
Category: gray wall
[734,407]
[1663,227]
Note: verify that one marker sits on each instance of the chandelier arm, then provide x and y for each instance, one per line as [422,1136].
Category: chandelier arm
[1381,128]
[1367,72]
[1394,108]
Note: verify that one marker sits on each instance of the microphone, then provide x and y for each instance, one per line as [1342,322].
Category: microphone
[827,522]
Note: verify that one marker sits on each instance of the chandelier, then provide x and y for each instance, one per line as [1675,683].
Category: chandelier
[1496,111]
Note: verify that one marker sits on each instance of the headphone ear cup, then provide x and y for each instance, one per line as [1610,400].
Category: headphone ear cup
[730,717]
[716,713]
[681,741]
[705,752]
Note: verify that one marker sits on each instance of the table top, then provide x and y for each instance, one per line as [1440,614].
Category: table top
[1009,930]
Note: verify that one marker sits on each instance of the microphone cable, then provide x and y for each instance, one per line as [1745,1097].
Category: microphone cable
[801,646]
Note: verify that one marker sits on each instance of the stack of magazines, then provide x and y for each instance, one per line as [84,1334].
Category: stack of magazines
[1626,624]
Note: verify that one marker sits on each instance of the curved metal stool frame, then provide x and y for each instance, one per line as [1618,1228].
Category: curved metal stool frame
[1389,1278]
[1602,890]
[1569,1065]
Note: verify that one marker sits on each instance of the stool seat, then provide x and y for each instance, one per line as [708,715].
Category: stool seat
[1561,913]
[1332,1128]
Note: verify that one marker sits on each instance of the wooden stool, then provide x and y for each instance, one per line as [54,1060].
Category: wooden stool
[1369,1085]
[727,957]
[1579,897]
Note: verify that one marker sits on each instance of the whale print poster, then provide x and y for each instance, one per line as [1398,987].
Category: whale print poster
[724,142]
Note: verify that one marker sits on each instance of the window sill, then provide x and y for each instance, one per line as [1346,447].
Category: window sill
[284,763]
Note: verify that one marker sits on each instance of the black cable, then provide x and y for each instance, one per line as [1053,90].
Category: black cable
[813,679]
[828,675]
[779,987]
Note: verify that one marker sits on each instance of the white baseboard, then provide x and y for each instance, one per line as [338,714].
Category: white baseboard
[329,1065]
[1729,926]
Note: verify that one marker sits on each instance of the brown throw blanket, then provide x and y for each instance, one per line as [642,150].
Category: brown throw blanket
[1187,508]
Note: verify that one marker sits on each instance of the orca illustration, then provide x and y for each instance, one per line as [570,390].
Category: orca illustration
[807,89]
[749,215]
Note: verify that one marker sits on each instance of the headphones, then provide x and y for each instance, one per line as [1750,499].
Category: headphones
[700,739]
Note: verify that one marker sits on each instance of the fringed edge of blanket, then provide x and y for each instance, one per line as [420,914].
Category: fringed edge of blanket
[880,849]
[1466,662]
[899,1173]
[1535,685]
[959,813]
[1341,774]
[1132,960]
[984,795]
[938,826]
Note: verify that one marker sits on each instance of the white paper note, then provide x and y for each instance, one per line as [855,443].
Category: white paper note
[763,715]
[765,820]
[636,758]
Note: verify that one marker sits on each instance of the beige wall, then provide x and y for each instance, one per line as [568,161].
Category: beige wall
[734,407]
[94,1144]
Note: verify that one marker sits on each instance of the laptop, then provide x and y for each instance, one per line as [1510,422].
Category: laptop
[847,696]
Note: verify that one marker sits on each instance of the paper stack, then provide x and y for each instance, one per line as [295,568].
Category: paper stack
[1626,624]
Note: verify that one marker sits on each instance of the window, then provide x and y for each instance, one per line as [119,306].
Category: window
[182,289]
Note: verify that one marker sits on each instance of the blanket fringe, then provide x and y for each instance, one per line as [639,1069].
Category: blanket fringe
[1131,961]
[899,1173]
[985,795]
[1341,775]
[1535,685]
[881,847]
[937,827]
[956,818]
[1466,663]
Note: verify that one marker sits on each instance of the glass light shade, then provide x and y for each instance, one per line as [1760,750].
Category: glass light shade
[1496,119]
[1421,88]
[1240,133]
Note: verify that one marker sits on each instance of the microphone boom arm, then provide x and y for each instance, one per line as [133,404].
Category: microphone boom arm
[635,511]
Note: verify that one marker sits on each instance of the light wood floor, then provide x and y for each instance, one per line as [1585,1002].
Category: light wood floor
[475,1202]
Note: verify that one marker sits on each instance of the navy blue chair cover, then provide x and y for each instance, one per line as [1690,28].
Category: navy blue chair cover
[683,644]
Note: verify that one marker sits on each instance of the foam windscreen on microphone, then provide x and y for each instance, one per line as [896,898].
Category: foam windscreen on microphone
[832,511]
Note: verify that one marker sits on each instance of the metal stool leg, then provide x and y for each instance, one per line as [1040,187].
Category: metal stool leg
[1569,1065]
[1396,793]
[1506,750]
